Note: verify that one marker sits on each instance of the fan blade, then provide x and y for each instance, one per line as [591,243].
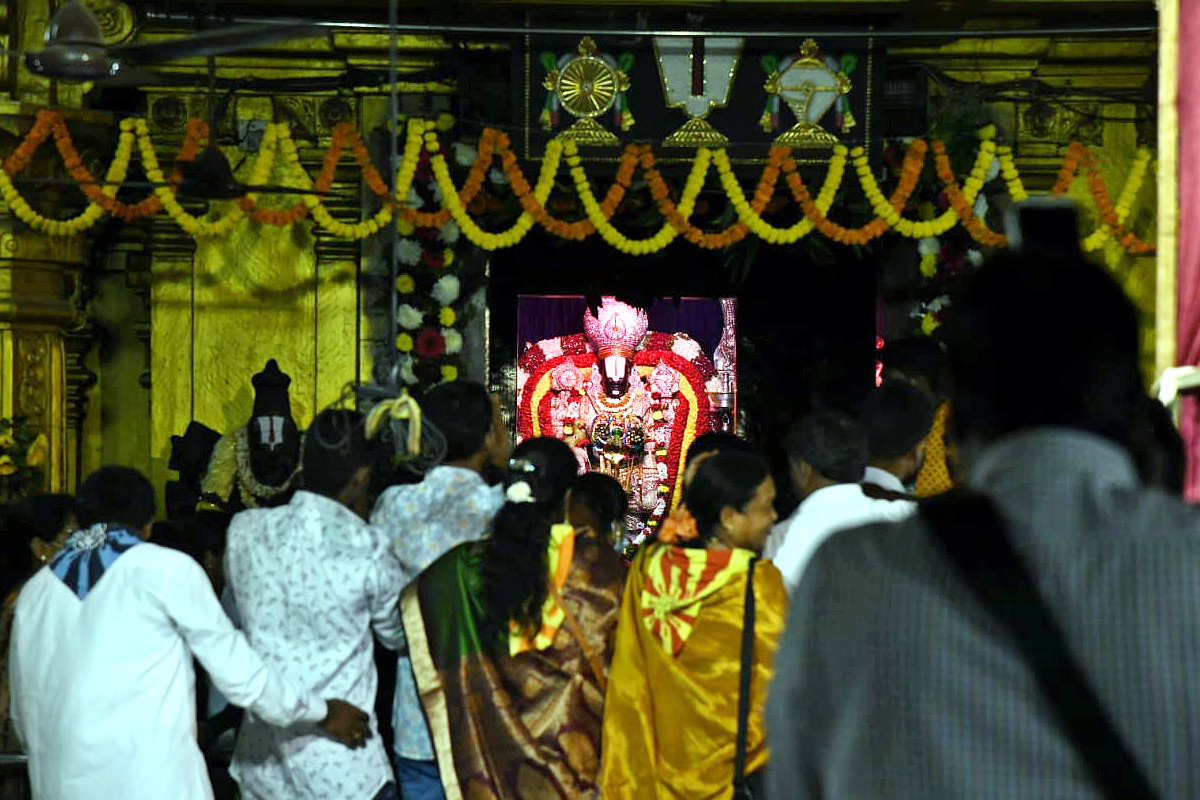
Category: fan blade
[291,190]
[36,182]
[213,43]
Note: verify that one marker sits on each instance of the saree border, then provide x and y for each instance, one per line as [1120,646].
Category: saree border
[429,686]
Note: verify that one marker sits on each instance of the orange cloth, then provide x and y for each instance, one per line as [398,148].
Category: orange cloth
[934,477]
[670,715]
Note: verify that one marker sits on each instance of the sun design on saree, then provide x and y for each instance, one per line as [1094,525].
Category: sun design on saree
[677,582]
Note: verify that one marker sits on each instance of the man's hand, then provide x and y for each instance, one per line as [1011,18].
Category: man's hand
[347,723]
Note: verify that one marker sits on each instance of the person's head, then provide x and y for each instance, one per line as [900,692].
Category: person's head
[897,417]
[469,419]
[338,459]
[31,532]
[202,538]
[1042,339]
[732,498]
[716,441]
[119,496]
[540,472]
[921,361]
[823,448]
[597,504]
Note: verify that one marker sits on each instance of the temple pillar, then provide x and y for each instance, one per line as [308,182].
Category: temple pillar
[38,307]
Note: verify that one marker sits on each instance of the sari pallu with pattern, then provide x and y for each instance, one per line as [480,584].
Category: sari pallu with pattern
[512,727]
[671,714]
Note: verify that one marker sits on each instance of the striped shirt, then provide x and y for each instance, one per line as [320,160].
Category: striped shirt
[893,683]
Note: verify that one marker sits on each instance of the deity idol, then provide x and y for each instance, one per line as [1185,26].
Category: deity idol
[628,401]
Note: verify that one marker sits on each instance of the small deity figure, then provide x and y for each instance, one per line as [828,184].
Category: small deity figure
[615,395]
[256,465]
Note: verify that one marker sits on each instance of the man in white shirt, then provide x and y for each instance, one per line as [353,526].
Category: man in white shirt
[897,417]
[827,454]
[451,506]
[311,581]
[103,686]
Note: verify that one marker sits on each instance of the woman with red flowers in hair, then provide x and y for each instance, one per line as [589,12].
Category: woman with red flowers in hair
[679,721]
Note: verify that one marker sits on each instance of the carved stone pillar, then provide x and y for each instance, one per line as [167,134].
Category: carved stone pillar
[38,306]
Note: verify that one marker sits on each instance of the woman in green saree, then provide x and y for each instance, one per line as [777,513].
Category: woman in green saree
[510,640]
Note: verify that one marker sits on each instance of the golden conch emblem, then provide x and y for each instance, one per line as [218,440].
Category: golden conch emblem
[587,85]
[810,86]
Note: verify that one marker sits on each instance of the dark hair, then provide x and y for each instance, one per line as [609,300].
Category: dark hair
[1157,447]
[514,561]
[335,448]
[119,495]
[833,443]
[921,358]
[604,497]
[714,441]
[199,536]
[896,416]
[41,516]
[1043,339]
[729,478]
[462,411]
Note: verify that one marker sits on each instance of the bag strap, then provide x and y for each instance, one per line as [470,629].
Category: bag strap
[576,630]
[970,531]
[747,669]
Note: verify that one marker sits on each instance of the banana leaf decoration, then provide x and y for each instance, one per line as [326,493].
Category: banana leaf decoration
[843,118]
[549,116]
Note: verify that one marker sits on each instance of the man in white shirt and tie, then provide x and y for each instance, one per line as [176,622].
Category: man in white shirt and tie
[103,686]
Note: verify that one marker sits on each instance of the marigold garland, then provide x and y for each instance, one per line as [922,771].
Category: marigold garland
[422,139]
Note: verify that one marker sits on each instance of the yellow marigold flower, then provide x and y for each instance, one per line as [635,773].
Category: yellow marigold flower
[929,324]
[406,227]
[7,466]
[447,316]
[929,265]
[447,257]
[404,343]
[405,284]
[449,373]
[445,121]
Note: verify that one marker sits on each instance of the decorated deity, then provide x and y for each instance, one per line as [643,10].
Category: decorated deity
[257,464]
[627,400]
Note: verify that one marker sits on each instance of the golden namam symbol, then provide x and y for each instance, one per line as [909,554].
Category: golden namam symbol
[587,85]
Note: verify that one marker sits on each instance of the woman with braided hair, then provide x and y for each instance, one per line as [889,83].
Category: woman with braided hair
[510,640]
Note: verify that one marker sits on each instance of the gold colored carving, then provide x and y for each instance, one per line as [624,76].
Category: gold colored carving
[117,20]
[587,85]
[168,113]
[696,132]
[1040,121]
[333,111]
[811,78]
[31,396]
[589,133]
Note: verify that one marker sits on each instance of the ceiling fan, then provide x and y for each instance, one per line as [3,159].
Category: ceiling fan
[75,50]
[75,47]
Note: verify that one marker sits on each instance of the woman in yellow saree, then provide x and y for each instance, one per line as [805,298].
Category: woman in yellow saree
[671,713]
[510,640]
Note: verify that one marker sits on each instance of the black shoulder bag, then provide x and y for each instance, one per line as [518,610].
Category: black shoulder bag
[743,785]
[970,532]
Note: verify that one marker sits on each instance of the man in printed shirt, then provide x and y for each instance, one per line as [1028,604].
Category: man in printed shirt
[451,506]
[101,661]
[894,683]
[311,580]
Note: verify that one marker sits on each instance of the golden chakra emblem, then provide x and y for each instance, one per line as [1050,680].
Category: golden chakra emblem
[586,85]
